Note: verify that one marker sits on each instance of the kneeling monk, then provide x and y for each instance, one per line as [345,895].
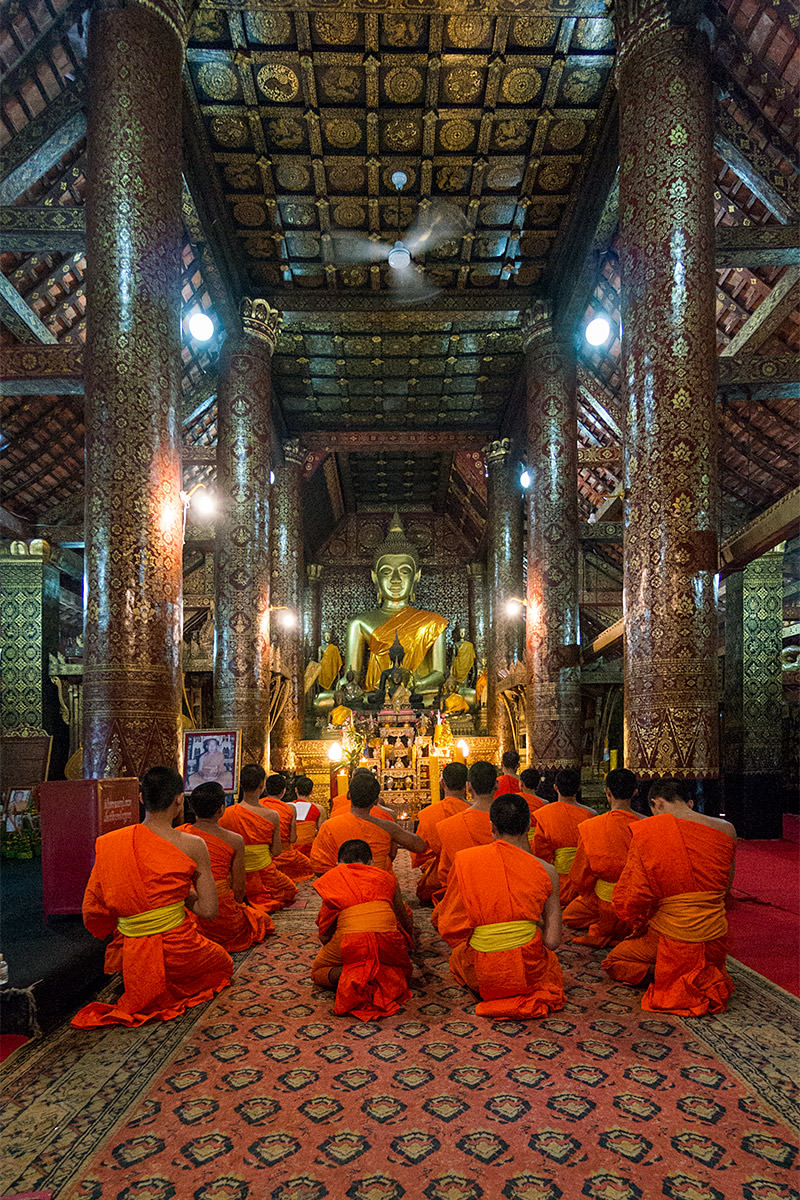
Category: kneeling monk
[143,880]
[555,837]
[453,782]
[501,914]
[266,886]
[290,861]
[360,823]
[678,871]
[366,933]
[237,926]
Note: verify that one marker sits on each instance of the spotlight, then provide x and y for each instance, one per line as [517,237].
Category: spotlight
[463,747]
[288,619]
[525,478]
[204,504]
[514,607]
[335,752]
[598,331]
[271,477]
[201,327]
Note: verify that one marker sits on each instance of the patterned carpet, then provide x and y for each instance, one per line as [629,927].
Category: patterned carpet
[264,1094]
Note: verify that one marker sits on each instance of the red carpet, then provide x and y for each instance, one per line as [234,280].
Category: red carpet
[764,929]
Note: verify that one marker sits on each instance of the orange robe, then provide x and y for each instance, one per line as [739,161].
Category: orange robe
[290,860]
[417,631]
[338,830]
[676,879]
[428,860]
[603,844]
[341,804]
[471,827]
[267,888]
[368,942]
[489,885]
[306,825]
[557,830]
[134,872]
[236,926]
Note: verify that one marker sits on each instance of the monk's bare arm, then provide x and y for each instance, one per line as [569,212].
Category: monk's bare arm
[277,844]
[238,878]
[403,837]
[551,913]
[293,827]
[401,912]
[203,900]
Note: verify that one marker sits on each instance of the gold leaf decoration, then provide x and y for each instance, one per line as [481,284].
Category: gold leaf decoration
[278,82]
[403,85]
[521,85]
[230,130]
[468,30]
[338,29]
[457,135]
[218,81]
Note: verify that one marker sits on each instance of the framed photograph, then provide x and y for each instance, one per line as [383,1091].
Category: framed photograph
[211,756]
[18,814]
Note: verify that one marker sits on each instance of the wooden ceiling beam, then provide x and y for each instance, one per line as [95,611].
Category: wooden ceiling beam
[36,229]
[44,369]
[755,168]
[769,316]
[766,531]
[297,305]
[17,317]
[368,441]
[12,526]
[43,141]
[757,246]
[42,45]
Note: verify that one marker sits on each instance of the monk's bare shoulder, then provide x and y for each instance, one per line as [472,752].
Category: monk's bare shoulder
[227,835]
[717,823]
[551,871]
[192,845]
[269,814]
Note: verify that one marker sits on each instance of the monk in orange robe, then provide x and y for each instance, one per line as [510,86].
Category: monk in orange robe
[453,782]
[678,872]
[529,778]
[507,784]
[603,844]
[290,861]
[341,804]
[556,836]
[366,932]
[501,915]
[266,886]
[471,827]
[144,879]
[383,837]
[237,926]
[309,816]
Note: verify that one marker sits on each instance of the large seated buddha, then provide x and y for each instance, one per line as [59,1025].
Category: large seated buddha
[370,635]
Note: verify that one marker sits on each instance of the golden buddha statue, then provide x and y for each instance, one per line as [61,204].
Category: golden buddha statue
[370,635]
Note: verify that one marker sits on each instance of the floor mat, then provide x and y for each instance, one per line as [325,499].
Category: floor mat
[264,1093]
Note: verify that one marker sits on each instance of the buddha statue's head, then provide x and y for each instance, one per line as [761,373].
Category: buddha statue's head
[396,569]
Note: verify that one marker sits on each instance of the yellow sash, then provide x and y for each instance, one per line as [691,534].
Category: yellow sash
[257,856]
[155,920]
[691,917]
[564,859]
[604,890]
[373,916]
[504,935]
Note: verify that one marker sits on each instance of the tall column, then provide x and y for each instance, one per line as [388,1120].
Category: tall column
[669,383]
[476,602]
[503,581]
[313,609]
[753,697]
[241,562]
[29,598]
[287,586]
[552,621]
[132,683]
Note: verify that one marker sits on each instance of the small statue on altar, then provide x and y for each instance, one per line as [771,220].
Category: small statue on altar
[349,693]
[463,658]
[393,679]
[330,662]
[401,698]
[452,700]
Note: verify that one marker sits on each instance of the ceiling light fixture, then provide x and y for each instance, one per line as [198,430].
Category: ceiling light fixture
[598,331]
[201,327]
[525,478]
[399,257]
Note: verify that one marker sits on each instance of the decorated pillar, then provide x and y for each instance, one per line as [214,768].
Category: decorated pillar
[286,587]
[132,682]
[241,562]
[503,582]
[313,608]
[552,619]
[476,604]
[753,697]
[29,598]
[669,385]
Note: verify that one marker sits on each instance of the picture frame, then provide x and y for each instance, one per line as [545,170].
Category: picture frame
[18,810]
[212,756]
